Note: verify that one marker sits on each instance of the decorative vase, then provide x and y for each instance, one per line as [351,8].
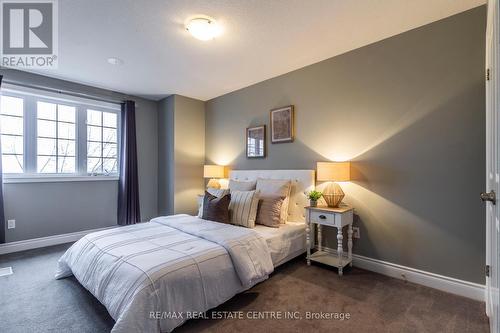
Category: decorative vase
[313,203]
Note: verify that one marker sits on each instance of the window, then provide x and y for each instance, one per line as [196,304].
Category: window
[11,130]
[56,140]
[46,134]
[102,142]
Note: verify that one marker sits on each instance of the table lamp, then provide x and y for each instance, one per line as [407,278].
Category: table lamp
[333,172]
[214,172]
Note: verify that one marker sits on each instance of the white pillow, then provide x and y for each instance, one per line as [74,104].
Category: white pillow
[235,185]
[243,208]
[219,193]
[276,188]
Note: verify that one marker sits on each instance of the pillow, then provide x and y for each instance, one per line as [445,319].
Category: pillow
[218,192]
[216,209]
[243,208]
[213,191]
[235,185]
[269,211]
[276,187]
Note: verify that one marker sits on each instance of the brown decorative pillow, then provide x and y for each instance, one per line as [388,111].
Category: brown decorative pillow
[269,211]
[216,209]
[276,187]
[219,193]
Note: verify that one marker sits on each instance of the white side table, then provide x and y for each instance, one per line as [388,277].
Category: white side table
[332,217]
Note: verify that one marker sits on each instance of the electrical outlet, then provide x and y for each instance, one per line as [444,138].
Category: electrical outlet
[11,224]
[355,232]
[6,271]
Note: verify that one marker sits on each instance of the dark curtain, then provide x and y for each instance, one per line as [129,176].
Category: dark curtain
[2,215]
[128,190]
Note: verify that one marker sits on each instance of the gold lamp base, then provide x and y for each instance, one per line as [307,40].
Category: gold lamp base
[213,183]
[333,194]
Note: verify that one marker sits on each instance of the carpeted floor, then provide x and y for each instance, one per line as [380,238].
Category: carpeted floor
[32,301]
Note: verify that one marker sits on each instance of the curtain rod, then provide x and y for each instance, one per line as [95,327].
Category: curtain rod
[65,92]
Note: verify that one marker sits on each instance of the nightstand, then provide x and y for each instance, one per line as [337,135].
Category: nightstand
[331,217]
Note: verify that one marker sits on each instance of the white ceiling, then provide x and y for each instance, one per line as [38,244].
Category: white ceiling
[262,39]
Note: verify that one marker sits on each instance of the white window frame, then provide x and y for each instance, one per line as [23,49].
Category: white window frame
[30,97]
[16,95]
[102,138]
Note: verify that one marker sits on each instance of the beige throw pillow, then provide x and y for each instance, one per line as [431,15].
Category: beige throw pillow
[276,187]
[236,185]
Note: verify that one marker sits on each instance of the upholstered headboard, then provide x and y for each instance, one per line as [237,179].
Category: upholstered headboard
[302,182]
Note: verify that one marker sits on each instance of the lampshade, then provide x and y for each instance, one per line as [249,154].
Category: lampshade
[213,171]
[333,171]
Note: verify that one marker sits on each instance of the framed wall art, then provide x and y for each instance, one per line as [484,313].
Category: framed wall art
[256,142]
[282,125]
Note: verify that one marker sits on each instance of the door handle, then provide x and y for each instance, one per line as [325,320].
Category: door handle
[489,196]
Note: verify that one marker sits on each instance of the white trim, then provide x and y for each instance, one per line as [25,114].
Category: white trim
[13,179]
[45,241]
[444,283]
[64,97]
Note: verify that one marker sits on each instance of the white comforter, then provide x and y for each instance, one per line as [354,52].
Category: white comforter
[151,276]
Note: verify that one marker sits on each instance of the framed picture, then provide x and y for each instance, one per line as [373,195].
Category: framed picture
[282,125]
[256,142]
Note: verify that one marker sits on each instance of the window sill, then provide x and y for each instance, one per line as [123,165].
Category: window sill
[11,179]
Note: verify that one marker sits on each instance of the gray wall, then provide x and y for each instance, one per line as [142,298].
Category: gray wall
[189,119]
[57,208]
[166,108]
[409,112]
[181,154]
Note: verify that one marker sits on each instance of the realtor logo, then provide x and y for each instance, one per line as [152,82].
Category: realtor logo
[29,33]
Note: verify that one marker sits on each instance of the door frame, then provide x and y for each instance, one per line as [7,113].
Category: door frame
[492,154]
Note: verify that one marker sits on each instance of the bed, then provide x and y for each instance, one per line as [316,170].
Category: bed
[154,276]
[284,243]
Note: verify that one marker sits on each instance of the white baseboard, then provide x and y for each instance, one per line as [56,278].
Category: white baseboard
[45,241]
[444,283]
[451,285]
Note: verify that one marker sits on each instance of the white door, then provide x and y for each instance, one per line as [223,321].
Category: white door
[492,165]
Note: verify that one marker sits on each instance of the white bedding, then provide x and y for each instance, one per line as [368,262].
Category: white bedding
[285,242]
[172,264]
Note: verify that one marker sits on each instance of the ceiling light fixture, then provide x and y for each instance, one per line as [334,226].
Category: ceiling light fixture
[115,61]
[203,28]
